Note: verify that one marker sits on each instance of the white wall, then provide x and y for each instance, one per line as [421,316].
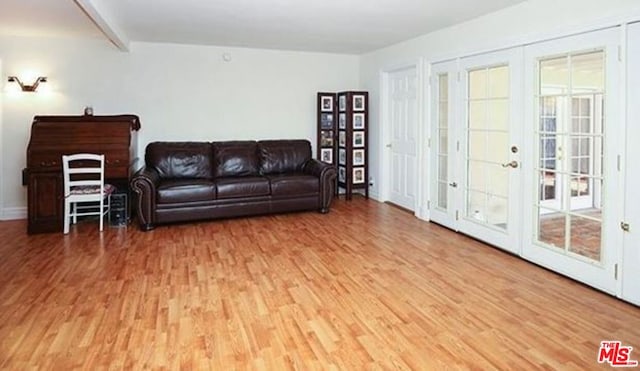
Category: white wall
[526,22]
[180,92]
[189,93]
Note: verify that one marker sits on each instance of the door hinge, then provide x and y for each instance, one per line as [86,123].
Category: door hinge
[429,143]
[429,205]
[458,76]
[458,146]
[457,215]
[625,226]
[615,271]
[619,53]
[619,161]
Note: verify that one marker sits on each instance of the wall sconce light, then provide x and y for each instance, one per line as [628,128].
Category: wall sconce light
[29,88]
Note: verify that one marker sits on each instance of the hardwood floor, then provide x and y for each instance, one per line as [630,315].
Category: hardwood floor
[365,286]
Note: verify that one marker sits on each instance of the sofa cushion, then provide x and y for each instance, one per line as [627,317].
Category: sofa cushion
[175,160]
[185,190]
[236,158]
[293,184]
[283,156]
[232,187]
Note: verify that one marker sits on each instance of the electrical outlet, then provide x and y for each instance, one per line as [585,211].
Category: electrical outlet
[371,182]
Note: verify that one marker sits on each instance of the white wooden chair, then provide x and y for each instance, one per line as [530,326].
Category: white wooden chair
[84,190]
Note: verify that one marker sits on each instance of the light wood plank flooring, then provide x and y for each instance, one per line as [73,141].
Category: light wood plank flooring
[366,286]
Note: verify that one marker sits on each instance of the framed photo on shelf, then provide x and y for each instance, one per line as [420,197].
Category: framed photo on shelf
[358,157]
[326,138]
[326,104]
[342,138]
[358,138]
[358,175]
[358,103]
[342,156]
[326,155]
[342,103]
[326,121]
[342,120]
[358,121]
[342,174]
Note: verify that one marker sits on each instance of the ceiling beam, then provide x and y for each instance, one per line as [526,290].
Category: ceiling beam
[106,22]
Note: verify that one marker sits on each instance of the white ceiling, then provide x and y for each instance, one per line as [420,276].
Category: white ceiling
[338,26]
[56,18]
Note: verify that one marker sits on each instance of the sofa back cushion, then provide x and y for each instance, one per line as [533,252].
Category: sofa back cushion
[283,156]
[235,158]
[180,159]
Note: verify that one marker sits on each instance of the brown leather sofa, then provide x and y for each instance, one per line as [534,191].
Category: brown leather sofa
[184,181]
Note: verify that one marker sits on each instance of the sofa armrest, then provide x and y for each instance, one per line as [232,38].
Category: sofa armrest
[327,176]
[144,183]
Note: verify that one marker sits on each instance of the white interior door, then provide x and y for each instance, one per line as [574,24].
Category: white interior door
[631,243]
[403,116]
[572,180]
[491,92]
[444,180]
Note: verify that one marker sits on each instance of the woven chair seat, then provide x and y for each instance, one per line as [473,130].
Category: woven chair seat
[89,190]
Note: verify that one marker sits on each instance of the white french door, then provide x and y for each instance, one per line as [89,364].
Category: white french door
[631,241]
[571,177]
[489,142]
[529,153]
[444,181]
[403,115]
[475,144]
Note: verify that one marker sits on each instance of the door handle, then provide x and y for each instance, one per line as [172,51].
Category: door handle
[513,164]
[388,145]
[453,184]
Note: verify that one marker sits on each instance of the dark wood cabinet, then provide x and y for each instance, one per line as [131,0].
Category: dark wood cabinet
[45,202]
[54,136]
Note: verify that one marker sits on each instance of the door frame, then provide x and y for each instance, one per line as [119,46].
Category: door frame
[629,284]
[422,154]
[2,177]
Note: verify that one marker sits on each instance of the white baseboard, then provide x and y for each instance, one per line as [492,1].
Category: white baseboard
[372,195]
[375,196]
[423,213]
[13,213]
[420,212]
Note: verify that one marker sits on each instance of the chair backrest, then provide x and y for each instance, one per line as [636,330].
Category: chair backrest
[83,175]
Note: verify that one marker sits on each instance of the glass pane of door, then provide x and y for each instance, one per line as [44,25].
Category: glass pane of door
[569,170]
[443,139]
[443,150]
[487,186]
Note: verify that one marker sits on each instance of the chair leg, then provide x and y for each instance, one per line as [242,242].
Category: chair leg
[67,206]
[101,214]
[74,212]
